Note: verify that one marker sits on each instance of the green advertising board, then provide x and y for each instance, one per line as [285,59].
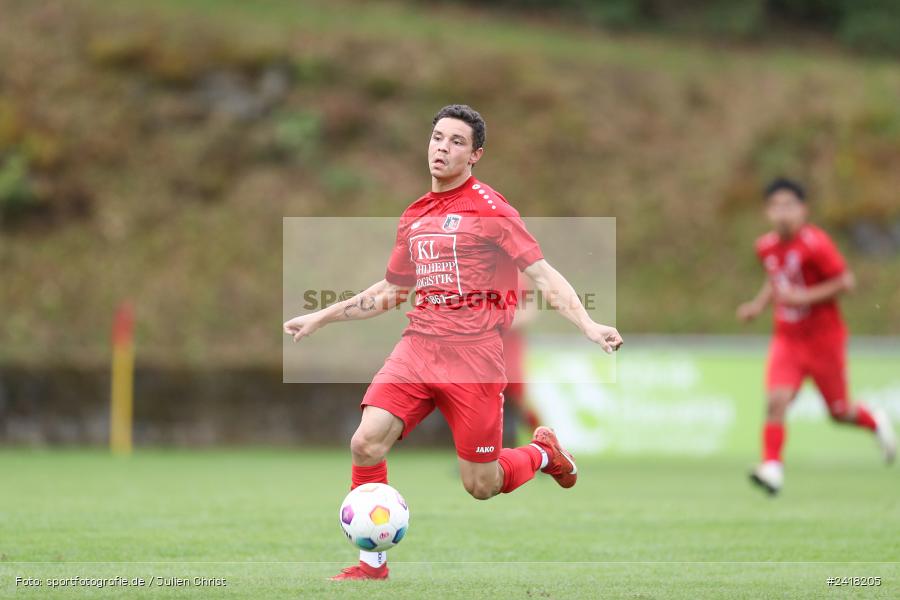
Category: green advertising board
[675,396]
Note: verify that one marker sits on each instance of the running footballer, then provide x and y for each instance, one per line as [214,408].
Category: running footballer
[459,249]
[805,275]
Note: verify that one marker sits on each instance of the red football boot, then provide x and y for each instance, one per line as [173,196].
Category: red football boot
[360,572]
[560,464]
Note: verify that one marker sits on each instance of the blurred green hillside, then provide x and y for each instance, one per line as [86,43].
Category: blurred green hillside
[151,152]
[866,26]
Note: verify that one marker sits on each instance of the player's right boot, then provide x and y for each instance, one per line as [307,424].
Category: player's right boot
[360,572]
[769,476]
[560,464]
[884,431]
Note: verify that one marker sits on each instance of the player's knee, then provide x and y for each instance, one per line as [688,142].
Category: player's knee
[365,449]
[776,407]
[840,412]
[481,491]
[775,411]
[480,488]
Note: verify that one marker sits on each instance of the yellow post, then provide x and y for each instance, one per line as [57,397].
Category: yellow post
[122,396]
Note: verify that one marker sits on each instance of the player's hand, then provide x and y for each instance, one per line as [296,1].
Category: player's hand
[748,311]
[792,296]
[608,337]
[302,326]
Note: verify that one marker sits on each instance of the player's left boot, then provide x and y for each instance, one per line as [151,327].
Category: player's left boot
[884,431]
[361,572]
[560,464]
[769,476]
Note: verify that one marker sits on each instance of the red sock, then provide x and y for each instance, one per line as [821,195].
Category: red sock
[374,474]
[519,466]
[864,418]
[773,440]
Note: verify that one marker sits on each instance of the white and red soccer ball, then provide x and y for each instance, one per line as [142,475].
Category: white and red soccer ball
[374,517]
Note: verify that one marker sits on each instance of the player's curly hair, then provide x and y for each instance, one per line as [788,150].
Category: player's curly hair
[468,115]
[783,183]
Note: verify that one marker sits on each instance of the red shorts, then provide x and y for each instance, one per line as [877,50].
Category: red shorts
[823,358]
[464,381]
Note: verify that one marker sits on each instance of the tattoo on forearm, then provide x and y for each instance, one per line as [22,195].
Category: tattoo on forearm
[366,303]
[362,304]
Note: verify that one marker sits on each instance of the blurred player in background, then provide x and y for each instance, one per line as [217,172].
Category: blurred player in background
[515,408]
[805,274]
[458,246]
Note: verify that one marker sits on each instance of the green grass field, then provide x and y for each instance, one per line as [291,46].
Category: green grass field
[266,521]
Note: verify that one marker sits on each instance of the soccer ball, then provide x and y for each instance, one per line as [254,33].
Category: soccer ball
[374,517]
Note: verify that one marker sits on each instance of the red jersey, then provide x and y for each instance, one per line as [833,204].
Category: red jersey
[461,250]
[808,258]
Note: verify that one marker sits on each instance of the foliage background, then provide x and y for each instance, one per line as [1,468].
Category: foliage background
[150,151]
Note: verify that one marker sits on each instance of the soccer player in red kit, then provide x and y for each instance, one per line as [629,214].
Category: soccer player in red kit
[460,247]
[805,275]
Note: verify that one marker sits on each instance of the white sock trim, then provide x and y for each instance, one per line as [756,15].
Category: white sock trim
[373,559]
[544,458]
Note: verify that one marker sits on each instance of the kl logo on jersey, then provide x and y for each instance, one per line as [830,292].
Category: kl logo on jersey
[451,223]
[426,250]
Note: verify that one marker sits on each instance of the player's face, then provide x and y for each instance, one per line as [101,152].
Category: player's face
[786,212]
[450,150]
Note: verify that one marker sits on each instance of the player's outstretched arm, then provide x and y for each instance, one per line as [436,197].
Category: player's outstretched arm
[750,310]
[378,299]
[561,296]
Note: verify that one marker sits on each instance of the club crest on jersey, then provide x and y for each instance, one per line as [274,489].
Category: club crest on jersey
[451,223]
